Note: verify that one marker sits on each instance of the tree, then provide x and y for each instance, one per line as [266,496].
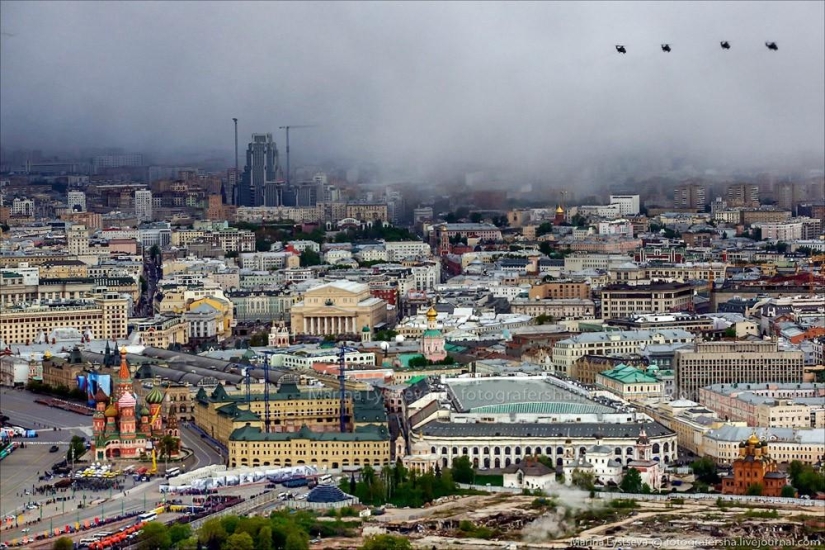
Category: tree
[212,534]
[788,492]
[463,470]
[632,481]
[544,319]
[259,339]
[154,252]
[754,489]
[475,217]
[805,479]
[583,479]
[579,221]
[63,543]
[154,536]
[385,335]
[544,228]
[309,258]
[265,538]
[296,540]
[239,541]
[230,524]
[179,532]
[705,470]
[386,542]
[167,446]
[78,446]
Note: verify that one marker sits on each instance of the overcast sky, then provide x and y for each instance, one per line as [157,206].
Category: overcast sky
[521,84]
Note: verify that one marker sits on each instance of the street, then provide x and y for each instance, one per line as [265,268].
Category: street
[20,471]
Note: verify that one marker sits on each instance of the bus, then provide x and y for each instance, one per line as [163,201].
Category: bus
[148,516]
[172,472]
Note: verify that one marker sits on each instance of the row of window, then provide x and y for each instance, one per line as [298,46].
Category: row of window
[548,451]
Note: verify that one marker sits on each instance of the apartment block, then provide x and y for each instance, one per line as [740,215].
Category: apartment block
[748,361]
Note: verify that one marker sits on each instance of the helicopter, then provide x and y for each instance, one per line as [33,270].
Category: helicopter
[666,48]
[725,45]
[620,48]
[772,46]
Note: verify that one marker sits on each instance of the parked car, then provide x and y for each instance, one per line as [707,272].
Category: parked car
[54,449]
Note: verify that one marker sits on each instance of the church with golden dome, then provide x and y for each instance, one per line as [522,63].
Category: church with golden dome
[755,466]
[432,340]
[123,428]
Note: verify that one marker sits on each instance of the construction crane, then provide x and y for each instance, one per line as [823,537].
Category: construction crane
[342,367]
[287,144]
[267,419]
[247,374]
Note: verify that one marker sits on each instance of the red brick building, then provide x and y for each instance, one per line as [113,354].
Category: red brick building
[754,466]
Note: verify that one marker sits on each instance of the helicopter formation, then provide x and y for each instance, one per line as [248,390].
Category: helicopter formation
[724,44]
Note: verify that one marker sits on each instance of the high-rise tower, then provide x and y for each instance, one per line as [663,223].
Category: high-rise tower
[259,176]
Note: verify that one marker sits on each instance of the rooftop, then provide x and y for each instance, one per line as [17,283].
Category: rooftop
[472,394]
[533,429]
[626,374]
[661,335]
[366,433]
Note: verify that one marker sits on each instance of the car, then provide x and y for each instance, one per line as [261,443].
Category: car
[54,449]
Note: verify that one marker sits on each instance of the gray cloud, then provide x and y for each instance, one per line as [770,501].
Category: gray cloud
[528,85]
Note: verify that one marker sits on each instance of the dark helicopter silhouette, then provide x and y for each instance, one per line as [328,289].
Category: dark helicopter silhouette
[772,46]
[666,48]
[725,45]
[620,48]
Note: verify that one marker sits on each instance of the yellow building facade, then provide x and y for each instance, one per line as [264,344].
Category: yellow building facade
[250,446]
[340,307]
[217,412]
[105,317]
[304,427]
[162,332]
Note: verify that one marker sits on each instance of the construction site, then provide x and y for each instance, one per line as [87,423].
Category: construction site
[573,520]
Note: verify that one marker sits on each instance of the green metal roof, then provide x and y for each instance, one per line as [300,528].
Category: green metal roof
[431,333]
[544,407]
[368,405]
[416,379]
[455,348]
[405,358]
[626,374]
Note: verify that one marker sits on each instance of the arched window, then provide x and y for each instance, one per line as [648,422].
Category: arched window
[464,451]
[527,452]
[618,451]
[518,451]
[497,451]
[455,450]
[507,451]
[666,447]
[559,451]
[475,450]
[443,450]
[656,448]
